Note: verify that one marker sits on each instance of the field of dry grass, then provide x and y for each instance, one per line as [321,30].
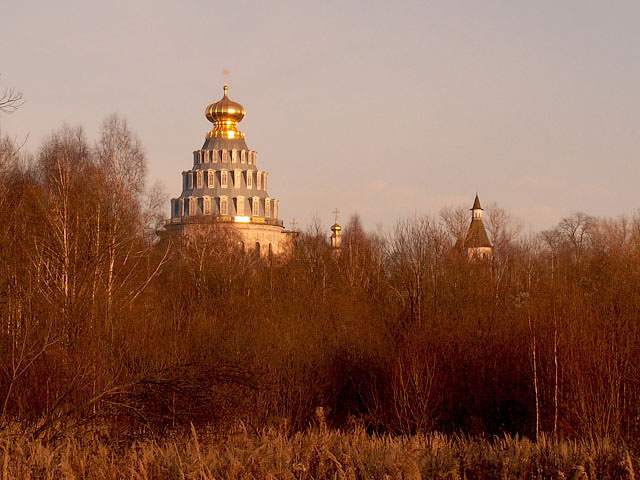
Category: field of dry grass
[317,453]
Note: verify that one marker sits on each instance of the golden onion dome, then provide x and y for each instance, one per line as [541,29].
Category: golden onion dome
[225,115]
[336,227]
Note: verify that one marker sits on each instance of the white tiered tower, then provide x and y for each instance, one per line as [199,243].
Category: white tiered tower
[225,186]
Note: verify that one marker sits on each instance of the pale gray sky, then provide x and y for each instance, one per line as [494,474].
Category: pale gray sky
[381,108]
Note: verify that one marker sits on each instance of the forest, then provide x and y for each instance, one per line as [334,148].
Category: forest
[109,321]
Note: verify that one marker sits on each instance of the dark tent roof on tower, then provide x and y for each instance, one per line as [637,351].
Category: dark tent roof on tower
[477,235]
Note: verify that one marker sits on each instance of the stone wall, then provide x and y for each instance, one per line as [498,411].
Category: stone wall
[267,238]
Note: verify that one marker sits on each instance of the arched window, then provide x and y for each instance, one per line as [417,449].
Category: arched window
[224,210]
[267,207]
[256,207]
[210,179]
[256,251]
[224,179]
[199,178]
[240,206]
[207,206]
[249,179]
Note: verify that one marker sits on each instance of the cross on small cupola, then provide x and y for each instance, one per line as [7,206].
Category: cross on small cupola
[336,237]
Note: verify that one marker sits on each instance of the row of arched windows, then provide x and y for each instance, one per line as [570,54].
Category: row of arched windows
[225,156]
[257,249]
[236,178]
[225,206]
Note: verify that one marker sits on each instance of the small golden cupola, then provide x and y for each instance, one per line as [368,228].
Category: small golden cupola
[225,115]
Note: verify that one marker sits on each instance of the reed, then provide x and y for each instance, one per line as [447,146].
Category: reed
[316,453]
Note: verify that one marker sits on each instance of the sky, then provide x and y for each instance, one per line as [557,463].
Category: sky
[385,109]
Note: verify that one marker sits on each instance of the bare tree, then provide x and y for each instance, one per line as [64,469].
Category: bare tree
[155,201]
[503,227]
[577,230]
[456,221]
[64,166]
[123,164]
[413,255]
[121,155]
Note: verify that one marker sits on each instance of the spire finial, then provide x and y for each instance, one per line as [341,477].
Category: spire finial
[225,73]
[476,203]
[336,212]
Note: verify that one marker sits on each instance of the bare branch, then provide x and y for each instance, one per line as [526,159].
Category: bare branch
[11,100]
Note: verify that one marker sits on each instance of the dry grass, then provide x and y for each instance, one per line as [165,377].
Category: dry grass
[315,454]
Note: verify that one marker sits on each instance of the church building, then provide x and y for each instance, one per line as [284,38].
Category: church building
[476,242]
[225,187]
